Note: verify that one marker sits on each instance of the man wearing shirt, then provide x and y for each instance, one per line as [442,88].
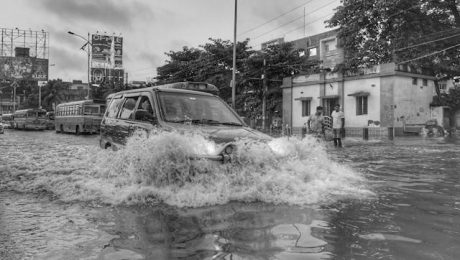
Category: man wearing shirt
[338,124]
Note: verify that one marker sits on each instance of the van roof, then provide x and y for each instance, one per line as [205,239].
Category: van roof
[201,88]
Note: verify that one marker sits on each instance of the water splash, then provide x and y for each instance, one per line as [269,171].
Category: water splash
[159,169]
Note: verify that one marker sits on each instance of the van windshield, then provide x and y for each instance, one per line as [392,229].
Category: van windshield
[197,109]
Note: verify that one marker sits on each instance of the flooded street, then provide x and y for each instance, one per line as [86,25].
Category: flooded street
[62,197]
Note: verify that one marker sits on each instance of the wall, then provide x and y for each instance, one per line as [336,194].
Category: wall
[387,117]
[304,91]
[371,85]
[412,102]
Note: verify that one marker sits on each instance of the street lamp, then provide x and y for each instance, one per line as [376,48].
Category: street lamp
[87,42]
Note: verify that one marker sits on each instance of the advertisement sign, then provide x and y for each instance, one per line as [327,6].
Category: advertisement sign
[118,52]
[100,48]
[106,51]
[28,68]
[101,75]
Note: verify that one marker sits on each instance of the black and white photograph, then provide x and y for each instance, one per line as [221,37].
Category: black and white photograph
[230,129]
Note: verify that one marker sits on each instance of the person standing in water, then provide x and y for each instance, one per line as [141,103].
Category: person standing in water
[338,124]
[315,123]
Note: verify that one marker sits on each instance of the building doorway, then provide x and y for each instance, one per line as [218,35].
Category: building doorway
[328,105]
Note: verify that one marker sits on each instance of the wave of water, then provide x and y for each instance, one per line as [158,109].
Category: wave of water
[159,169]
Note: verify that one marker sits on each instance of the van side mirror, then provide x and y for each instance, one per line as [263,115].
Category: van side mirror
[144,115]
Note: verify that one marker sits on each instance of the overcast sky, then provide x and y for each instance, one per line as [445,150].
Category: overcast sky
[152,27]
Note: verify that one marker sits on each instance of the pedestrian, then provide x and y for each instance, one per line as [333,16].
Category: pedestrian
[315,123]
[338,124]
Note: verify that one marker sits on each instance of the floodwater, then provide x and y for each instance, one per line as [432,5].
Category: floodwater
[61,197]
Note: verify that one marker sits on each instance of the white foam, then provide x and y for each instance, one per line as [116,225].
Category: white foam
[159,169]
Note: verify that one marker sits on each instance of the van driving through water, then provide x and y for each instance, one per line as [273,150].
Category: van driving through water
[180,107]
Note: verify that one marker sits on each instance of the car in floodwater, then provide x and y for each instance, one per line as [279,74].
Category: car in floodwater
[181,106]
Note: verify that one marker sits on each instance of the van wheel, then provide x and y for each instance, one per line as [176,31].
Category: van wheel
[77,130]
[61,128]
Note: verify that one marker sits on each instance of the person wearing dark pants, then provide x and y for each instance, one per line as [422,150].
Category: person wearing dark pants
[338,124]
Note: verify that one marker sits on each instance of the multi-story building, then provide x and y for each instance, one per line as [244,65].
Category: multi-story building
[386,97]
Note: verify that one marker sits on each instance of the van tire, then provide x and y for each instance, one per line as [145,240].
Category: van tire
[77,130]
[61,128]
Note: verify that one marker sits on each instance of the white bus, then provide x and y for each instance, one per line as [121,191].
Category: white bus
[32,118]
[79,116]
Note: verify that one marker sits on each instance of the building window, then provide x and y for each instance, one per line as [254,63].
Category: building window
[312,52]
[329,46]
[425,82]
[305,108]
[414,81]
[442,86]
[361,105]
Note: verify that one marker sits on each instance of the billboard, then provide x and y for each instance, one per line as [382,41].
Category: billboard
[102,75]
[100,49]
[28,68]
[118,52]
[106,51]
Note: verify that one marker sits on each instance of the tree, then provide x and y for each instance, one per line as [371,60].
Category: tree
[211,62]
[422,34]
[374,31]
[272,65]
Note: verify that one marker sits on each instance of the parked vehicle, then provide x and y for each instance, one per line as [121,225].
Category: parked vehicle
[32,118]
[176,106]
[79,116]
[8,121]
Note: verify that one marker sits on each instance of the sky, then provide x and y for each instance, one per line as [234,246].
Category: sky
[151,28]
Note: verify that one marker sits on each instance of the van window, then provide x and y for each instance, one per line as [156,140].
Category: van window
[112,111]
[145,111]
[127,111]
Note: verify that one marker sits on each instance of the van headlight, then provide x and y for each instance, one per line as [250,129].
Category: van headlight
[229,149]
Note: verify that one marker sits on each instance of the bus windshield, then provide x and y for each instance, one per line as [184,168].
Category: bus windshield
[195,108]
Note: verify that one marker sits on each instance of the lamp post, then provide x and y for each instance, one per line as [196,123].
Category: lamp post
[87,42]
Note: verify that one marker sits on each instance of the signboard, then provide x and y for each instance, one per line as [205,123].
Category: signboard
[28,68]
[100,48]
[118,52]
[101,75]
[106,52]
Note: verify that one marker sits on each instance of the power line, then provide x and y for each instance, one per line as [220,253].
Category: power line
[271,20]
[423,43]
[430,54]
[321,7]
[297,28]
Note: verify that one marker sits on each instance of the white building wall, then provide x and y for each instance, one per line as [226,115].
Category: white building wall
[412,102]
[331,89]
[371,85]
[312,91]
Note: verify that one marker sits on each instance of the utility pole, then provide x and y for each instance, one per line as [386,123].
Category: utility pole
[234,57]
[89,64]
[264,95]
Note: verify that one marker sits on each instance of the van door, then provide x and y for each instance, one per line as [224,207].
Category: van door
[125,122]
[145,116]
[108,128]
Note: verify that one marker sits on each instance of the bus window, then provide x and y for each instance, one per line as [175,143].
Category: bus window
[91,110]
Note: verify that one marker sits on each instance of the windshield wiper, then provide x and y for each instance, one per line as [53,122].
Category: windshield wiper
[198,121]
[231,123]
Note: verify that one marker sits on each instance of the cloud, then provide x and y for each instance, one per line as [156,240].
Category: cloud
[116,13]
